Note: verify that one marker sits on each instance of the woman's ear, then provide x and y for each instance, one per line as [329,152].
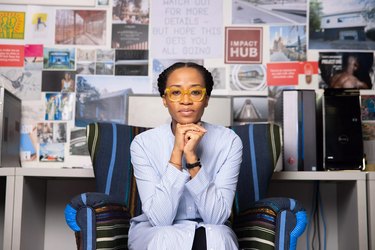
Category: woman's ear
[164,101]
[207,99]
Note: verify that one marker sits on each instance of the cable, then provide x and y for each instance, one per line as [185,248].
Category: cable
[311,217]
[318,214]
[324,221]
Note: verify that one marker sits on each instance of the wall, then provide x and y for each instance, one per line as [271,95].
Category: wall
[113,49]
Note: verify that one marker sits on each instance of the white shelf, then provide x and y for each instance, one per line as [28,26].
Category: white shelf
[7,171]
[56,172]
[40,196]
[344,200]
[320,175]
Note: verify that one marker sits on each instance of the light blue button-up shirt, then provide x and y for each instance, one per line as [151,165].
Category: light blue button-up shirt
[170,197]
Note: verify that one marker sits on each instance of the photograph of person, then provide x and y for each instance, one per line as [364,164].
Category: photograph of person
[58,81]
[351,70]
[186,171]
[67,83]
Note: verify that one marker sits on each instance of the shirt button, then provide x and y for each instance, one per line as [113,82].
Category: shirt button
[190,208]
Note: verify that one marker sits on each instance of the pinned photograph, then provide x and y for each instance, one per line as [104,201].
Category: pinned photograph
[28,143]
[248,109]
[130,11]
[339,25]
[58,81]
[81,27]
[78,142]
[131,62]
[59,106]
[33,57]
[218,75]
[51,152]
[368,107]
[248,77]
[25,85]
[266,11]
[104,98]
[51,132]
[40,24]
[288,43]
[59,58]
[105,68]
[347,70]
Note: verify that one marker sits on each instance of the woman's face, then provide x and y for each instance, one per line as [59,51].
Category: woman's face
[186,110]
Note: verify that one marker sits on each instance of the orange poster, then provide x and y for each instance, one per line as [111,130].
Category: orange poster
[11,55]
[12,25]
[283,74]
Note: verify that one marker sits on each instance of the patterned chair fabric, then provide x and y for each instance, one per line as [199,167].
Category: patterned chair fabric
[101,220]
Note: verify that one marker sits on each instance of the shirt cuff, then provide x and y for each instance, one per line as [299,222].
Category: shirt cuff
[175,176]
[198,184]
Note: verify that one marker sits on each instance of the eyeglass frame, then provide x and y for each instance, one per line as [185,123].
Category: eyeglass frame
[185,92]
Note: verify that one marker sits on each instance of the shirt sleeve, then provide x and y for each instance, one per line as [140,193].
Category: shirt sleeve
[214,199]
[160,193]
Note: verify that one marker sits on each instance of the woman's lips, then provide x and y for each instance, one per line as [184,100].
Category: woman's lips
[186,112]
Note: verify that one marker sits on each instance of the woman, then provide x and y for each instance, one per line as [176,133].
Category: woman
[67,83]
[186,171]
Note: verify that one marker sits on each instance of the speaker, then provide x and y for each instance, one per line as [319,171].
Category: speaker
[342,128]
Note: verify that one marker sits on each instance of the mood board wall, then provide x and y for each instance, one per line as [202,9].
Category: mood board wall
[79,61]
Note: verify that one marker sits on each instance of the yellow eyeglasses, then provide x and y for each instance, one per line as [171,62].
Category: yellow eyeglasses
[175,94]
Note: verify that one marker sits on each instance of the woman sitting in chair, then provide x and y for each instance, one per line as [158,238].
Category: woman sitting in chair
[186,171]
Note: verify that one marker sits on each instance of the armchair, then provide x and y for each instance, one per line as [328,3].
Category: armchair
[100,220]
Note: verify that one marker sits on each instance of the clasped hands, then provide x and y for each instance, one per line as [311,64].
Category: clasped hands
[187,138]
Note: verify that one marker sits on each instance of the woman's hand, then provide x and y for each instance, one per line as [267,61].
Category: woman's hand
[193,135]
[187,138]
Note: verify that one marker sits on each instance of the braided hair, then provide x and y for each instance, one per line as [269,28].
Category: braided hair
[163,77]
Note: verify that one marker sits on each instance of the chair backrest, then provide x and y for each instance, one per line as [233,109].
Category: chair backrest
[109,148]
[261,150]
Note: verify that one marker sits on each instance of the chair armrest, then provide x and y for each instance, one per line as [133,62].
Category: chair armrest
[271,223]
[98,221]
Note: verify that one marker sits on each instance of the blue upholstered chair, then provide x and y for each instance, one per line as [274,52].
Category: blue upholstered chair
[101,219]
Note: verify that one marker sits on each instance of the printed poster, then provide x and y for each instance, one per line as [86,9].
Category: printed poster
[183,30]
[283,74]
[243,45]
[12,25]
[11,55]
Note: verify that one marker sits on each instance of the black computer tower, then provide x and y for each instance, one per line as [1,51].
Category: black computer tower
[342,130]
[10,129]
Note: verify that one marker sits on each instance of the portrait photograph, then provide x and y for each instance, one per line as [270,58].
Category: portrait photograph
[346,70]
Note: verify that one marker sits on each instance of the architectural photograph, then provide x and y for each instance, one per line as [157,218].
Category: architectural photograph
[348,26]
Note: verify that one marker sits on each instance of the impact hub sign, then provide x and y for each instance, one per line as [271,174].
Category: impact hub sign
[243,45]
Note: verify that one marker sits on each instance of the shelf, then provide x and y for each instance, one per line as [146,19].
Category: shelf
[56,172]
[320,175]
[343,192]
[7,171]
